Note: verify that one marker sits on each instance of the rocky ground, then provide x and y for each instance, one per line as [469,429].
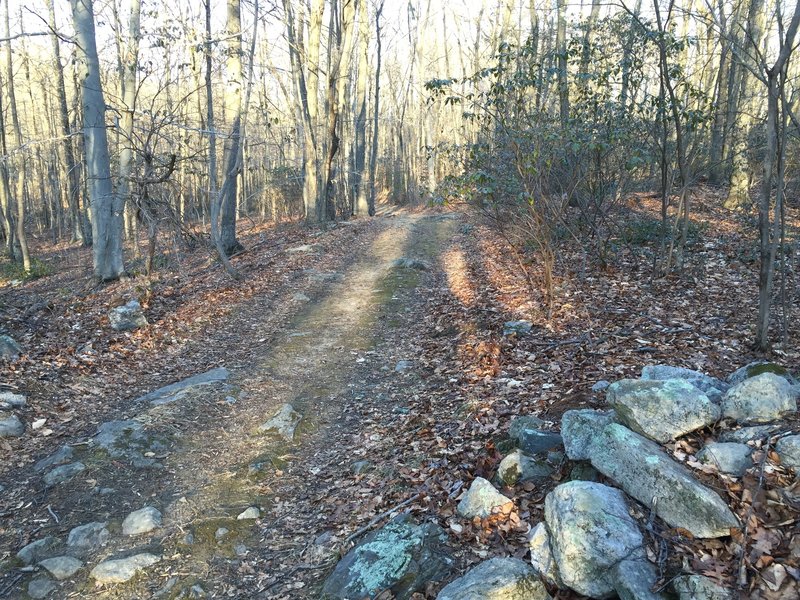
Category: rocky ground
[383,414]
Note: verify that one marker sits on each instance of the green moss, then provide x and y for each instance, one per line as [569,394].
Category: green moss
[760,369]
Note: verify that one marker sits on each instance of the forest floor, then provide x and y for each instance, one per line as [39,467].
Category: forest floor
[321,320]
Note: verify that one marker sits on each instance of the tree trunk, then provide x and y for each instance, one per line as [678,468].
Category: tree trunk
[373,157]
[359,190]
[561,51]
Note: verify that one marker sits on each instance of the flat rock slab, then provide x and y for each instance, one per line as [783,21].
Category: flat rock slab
[647,473]
[711,386]
[498,579]
[62,567]
[481,500]
[760,399]
[789,450]
[141,521]
[88,538]
[128,440]
[63,473]
[729,457]
[11,427]
[123,569]
[579,429]
[283,423]
[170,393]
[591,532]
[661,410]
[402,557]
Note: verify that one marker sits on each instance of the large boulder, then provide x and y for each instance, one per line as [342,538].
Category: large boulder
[498,579]
[661,410]
[590,533]
[728,457]
[759,367]
[711,386]
[481,500]
[400,558]
[580,427]
[760,399]
[517,467]
[646,472]
[789,450]
[127,317]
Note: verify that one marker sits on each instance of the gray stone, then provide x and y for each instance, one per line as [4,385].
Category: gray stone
[127,317]
[579,429]
[411,263]
[360,466]
[283,423]
[9,348]
[40,587]
[760,399]
[534,441]
[36,551]
[300,297]
[9,400]
[404,365]
[480,500]
[88,538]
[590,533]
[748,434]
[645,472]
[542,559]
[584,471]
[61,567]
[661,410]
[729,457]
[521,423]
[123,569]
[401,557]
[711,386]
[518,467]
[252,512]
[302,248]
[59,457]
[789,450]
[170,393]
[600,386]
[756,368]
[698,587]
[129,441]
[11,427]
[140,521]
[635,580]
[518,328]
[63,473]
[498,579]
[221,533]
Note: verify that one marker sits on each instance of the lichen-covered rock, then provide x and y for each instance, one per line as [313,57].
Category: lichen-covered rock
[283,423]
[62,567]
[710,386]
[542,559]
[498,579]
[729,457]
[789,450]
[480,500]
[517,467]
[127,317]
[644,471]
[9,348]
[661,410]
[402,557]
[123,569]
[760,399]
[580,427]
[756,368]
[635,580]
[698,587]
[748,434]
[590,533]
[11,427]
[129,440]
[140,521]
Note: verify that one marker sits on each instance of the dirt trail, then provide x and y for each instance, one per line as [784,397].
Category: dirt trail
[201,461]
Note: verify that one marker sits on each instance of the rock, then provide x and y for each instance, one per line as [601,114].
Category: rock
[645,472]
[123,569]
[519,424]
[128,440]
[584,471]
[480,500]
[250,513]
[11,427]
[759,399]
[9,348]
[300,297]
[517,467]
[411,263]
[635,580]
[303,248]
[579,428]
[402,557]
[61,567]
[757,368]
[140,521]
[88,538]
[542,559]
[710,386]
[63,473]
[661,410]
[498,579]
[59,457]
[127,317]
[283,423]
[789,450]
[698,587]
[600,386]
[748,434]
[729,457]
[40,587]
[9,400]
[221,533]
[172,392]
[36,551]
[518,328]
[360,466]
[535,441]
[590,533]
[403,365]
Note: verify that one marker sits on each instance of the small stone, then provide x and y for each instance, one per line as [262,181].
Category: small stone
[579,429]
[698,587]
[62,567]
[40,587]
[9,348]
[240,550]
[220,533]
[59,457]
[123,569]
[729,457]
[88,538]
[498,579]
[600,386]
[63,473]
[542,555]
[481,500]
[283,423]
[128,317]
[411,263]
[36,551]
[252,512]
[140,521]
[760,399]
[188,539]
[789,450]
[518,328]
[302,248]
[300,297]
[517,467]
[9,400]
[11,427]
[403,365]
[360,467]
